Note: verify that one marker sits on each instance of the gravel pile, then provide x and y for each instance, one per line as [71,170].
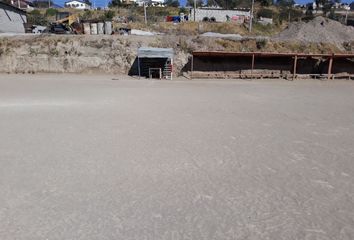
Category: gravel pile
[319,30]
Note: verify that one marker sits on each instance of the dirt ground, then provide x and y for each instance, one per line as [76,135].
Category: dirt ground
[109,157]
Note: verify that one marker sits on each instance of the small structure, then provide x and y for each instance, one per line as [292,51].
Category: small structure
[77,4]
[155,62]
[217,64]
[12,19]
[265,21]
[22,4]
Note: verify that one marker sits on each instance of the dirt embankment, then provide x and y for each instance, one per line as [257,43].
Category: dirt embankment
[73,54]
[116,54]
[78,54]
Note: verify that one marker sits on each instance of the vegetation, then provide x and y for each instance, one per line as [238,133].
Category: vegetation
[108,15]
[190,3]
[285,3]
[35,17]
[172,3]
[266,13]
[42,3]
[51,12]
[115,3]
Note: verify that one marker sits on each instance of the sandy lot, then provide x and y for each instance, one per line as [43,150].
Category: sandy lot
[88,157]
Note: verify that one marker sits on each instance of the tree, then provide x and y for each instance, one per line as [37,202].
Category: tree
[51,12]
[326,5]
[352,6]
[211,3]
[230,4]
[309,10]
[88,2]
[36,18]
[42,4]
[190,3]
[265,3]
[285,3]
[264,12]
[172,3]
[115,3]
[109,15]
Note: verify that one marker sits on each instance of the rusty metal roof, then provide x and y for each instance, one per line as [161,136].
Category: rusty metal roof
[267,54]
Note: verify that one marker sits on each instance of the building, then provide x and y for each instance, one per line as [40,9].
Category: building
[77,5]
[219,15]
[226,64]
[12,19]
[22,4]
[140,3]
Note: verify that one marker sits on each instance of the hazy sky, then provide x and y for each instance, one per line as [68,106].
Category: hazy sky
[102,3]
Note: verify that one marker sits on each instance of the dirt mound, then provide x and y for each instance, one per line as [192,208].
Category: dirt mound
[318,30]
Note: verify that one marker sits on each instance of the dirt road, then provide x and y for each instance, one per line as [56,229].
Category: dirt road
[88,157]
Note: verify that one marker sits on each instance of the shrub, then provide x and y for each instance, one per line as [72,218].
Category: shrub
[108,15]
[51,12]
[266,13]
[261,43]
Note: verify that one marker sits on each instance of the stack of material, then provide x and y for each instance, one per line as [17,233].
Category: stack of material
[318,30]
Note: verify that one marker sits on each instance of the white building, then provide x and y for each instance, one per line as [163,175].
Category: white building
[158,3]
[219,15]
[77,4]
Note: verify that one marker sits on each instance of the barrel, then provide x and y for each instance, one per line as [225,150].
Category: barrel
[108,28]
[100,28]
[87,29]
[93,28]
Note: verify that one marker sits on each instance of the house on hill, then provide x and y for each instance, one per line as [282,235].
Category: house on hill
[12,19]
[77,4]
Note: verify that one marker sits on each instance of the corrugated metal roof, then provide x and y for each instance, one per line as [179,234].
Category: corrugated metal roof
[148,52]
[13,8]
[268,54]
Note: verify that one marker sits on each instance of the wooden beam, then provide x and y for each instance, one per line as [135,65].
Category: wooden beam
[329,74]
[294,69]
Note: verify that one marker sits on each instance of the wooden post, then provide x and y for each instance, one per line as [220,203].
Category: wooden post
[329,74]
[252,65]
[294,69]
[192,67]
[139,66]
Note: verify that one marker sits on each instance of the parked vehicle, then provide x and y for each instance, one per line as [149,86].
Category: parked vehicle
[59,28]
[37,29]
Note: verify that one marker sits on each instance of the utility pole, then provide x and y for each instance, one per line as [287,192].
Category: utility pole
[145,17]
[346,17]
[251,16]
[195,6]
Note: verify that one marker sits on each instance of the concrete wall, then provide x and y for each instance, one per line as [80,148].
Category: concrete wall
[218,14]
[11,21]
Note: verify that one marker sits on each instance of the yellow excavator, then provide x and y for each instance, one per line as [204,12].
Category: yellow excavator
[69,20]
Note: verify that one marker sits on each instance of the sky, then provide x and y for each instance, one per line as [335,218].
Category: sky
[103,3]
